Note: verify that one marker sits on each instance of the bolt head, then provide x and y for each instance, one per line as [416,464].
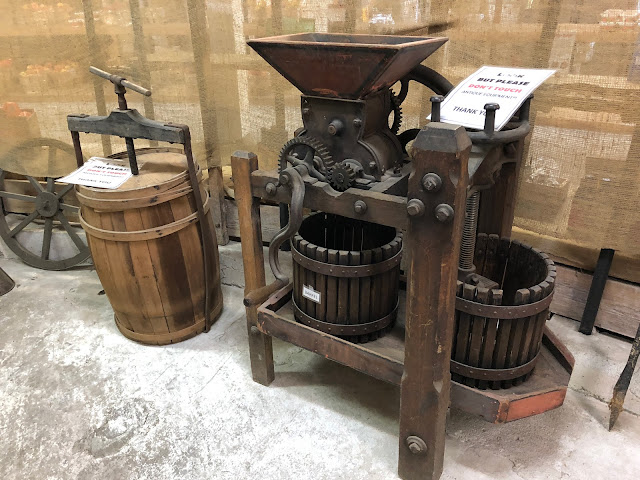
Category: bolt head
[305,111]
[416,445]
[359,206]
[357,122]
[373,166]
[431,182]
[415,207]
[444,213]
[283,179]
[270,188]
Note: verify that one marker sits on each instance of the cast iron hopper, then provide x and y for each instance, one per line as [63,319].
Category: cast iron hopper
[341,65]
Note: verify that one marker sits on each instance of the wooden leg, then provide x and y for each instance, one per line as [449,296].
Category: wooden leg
[260,349]
[216,190]
[433,248]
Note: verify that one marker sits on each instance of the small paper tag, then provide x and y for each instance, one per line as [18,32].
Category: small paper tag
[310,293]
[98,172]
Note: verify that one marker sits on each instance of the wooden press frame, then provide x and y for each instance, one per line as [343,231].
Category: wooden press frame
[433,250]
[417,356]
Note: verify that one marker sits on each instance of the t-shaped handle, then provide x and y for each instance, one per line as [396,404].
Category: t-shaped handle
[121,84]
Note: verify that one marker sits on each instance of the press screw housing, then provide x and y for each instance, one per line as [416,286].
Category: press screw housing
[335,127]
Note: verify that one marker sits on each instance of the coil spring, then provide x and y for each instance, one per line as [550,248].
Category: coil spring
[468,243]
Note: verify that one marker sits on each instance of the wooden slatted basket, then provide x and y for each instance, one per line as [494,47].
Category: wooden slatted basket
[498,331]
[346,276]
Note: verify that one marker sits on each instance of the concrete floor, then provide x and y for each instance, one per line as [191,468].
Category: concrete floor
[80,401]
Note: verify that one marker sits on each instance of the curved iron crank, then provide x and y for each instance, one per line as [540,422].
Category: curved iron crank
[290,177]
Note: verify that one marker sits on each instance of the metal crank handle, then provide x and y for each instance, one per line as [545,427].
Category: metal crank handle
[118,80]
[289,177]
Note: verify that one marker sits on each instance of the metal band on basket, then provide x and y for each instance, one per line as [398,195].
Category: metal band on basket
[341,329]
[349,271]
[493,374]
[502,311]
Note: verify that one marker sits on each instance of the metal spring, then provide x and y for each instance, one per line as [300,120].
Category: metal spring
[468,243]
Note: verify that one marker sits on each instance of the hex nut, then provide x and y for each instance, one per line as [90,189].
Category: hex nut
[360,207]
[415,207]
[431,182]
[444,213]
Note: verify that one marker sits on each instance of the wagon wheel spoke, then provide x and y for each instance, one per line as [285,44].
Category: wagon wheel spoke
[46,240]
[70,208]
[65,190]
[26,221]
[35,184]
[67,226]
[50,184]
[17,196]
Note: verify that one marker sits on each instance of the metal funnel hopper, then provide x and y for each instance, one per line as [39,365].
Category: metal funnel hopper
[341,65]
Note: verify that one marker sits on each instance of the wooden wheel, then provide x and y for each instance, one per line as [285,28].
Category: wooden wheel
[46,204]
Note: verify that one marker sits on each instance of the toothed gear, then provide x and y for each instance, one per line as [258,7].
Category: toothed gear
[341,177]
[320,153]
[397,113]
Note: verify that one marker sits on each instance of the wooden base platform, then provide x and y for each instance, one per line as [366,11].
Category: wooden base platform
[384,359]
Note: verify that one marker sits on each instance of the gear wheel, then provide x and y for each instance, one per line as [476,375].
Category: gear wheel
[397,113]
[341,176]
[320,159]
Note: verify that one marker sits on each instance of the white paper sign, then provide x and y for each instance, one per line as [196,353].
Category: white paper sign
[98,172]
[508,87]
[310,293]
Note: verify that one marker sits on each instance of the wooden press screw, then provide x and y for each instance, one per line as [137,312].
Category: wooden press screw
[360,207]
[431,182]
[416,445]
[444,213]
[415,207]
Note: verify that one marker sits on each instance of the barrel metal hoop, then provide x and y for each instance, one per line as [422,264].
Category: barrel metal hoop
[141,235]
[349,271]
[503,311]
[493,374]
[341,329]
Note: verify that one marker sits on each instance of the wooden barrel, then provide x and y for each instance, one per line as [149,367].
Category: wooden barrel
[345,276]
[498,331]
[146,245]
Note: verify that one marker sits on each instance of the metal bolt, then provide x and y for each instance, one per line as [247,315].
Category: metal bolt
[271,188]
[283,179]
[305,111]
[415,207]
[416,445]
[444,213]
[335,127]
[431,182]
[373,166]
[436,100]
[360,207]
[357,122]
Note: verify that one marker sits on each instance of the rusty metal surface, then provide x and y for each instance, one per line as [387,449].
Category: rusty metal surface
[344,66]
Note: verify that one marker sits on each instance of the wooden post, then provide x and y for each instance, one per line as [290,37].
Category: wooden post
[260,349]
[433,248]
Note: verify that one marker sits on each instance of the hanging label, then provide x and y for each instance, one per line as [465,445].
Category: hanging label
[310,293]
[508,87]
[98,172]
